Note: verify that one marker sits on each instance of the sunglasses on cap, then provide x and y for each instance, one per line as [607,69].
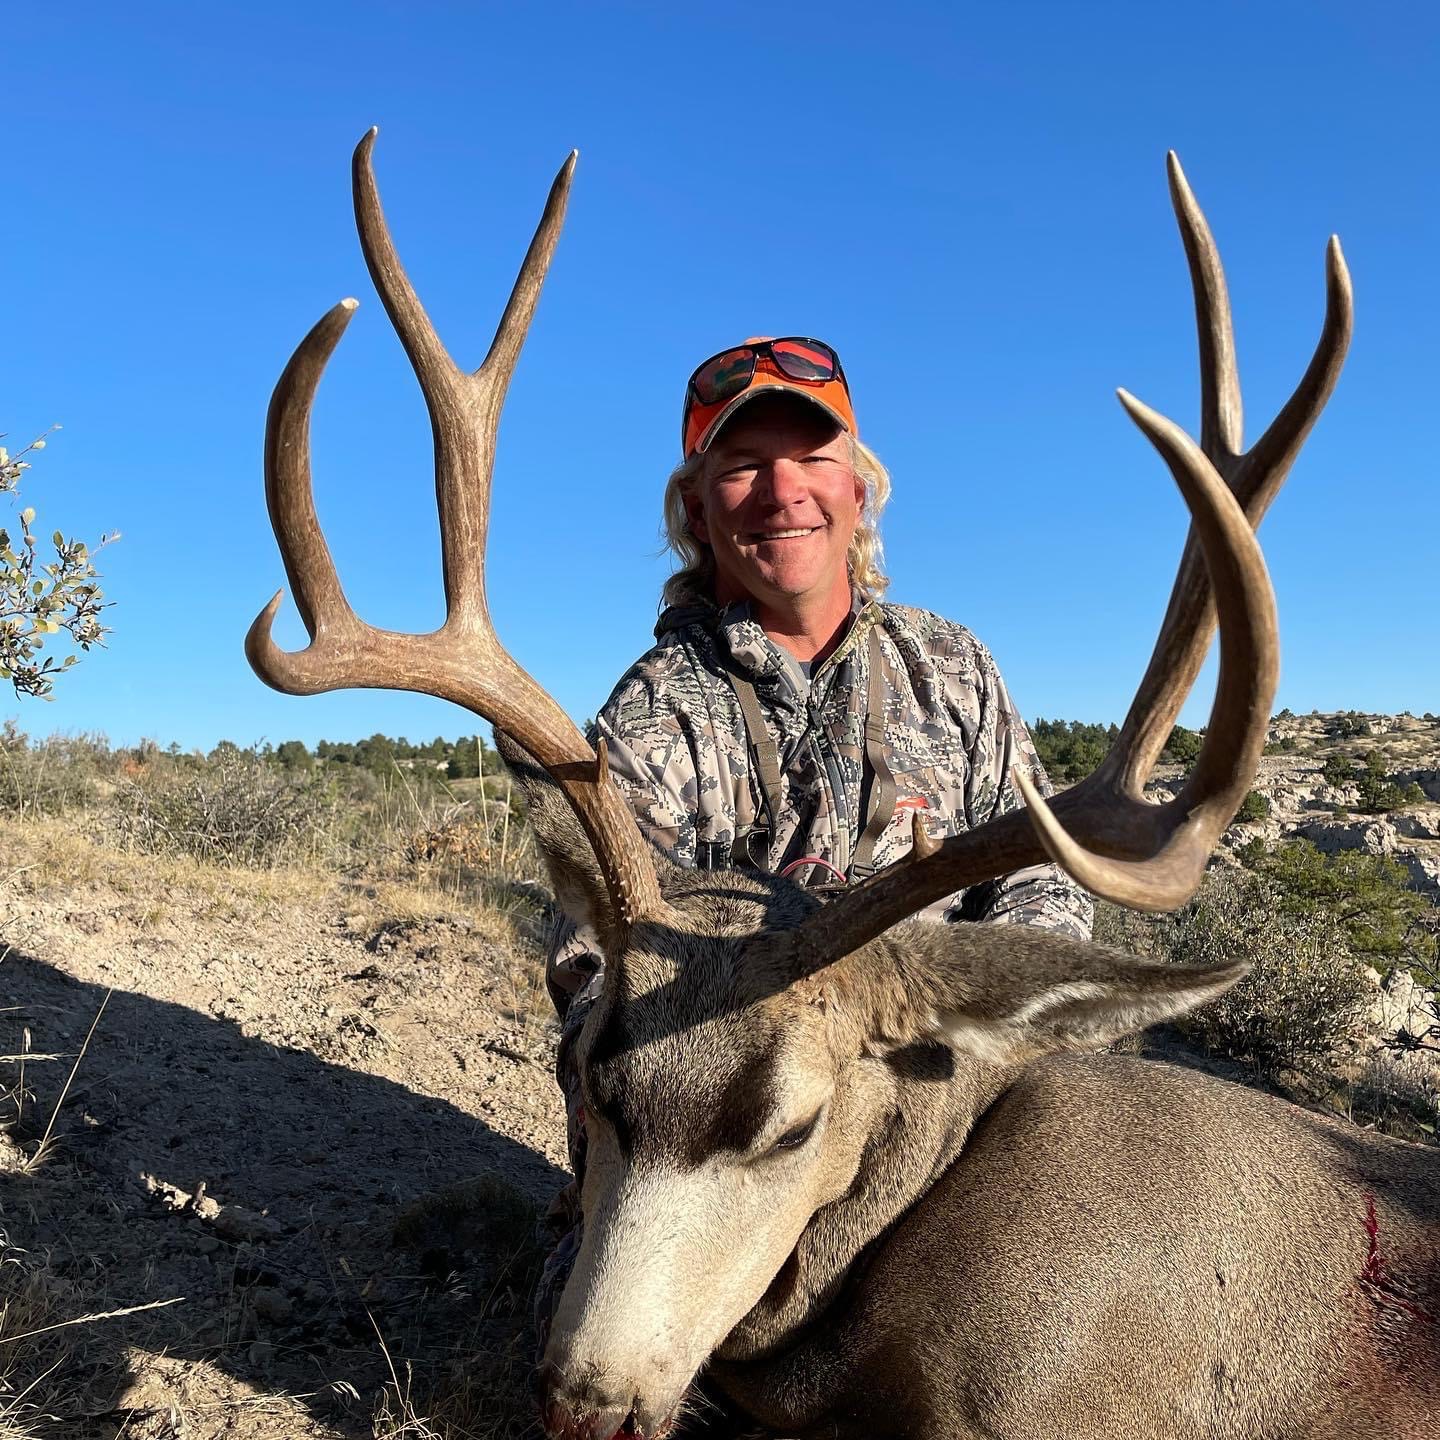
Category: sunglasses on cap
[796,357]
[807,366]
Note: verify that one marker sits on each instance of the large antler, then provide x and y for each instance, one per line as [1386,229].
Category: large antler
[463,660]
[1103,831]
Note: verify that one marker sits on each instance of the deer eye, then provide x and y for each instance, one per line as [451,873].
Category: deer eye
[796,1136]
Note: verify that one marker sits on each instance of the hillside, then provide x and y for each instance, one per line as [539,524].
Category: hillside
[1304,805]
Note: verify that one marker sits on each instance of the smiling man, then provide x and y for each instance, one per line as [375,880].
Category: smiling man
[787,718]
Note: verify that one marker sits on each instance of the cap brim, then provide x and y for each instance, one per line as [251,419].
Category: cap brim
[808,396]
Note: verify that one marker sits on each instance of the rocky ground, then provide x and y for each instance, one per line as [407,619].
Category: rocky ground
[291,1186]
[1303,805]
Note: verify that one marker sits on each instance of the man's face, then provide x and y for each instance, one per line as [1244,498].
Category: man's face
[777,502]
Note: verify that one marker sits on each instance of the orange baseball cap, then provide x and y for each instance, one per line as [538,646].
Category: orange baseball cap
[794,365]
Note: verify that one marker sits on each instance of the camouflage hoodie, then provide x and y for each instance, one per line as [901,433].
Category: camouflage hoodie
[679,750]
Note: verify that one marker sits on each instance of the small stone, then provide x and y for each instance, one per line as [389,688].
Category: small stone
[273,1306]
[234,1222]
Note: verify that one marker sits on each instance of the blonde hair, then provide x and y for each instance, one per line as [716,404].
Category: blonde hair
[695,577]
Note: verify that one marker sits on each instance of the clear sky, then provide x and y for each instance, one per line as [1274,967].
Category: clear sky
[967,201]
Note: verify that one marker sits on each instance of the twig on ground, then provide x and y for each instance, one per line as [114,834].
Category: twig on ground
[88,1319]
[43,1149]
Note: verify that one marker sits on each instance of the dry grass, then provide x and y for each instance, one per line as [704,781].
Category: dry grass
[468,1401]
[61,861]
[33,1301]
[60,858]
[477,1386]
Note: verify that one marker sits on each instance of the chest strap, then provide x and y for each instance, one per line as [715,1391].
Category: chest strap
[880,803]
[767,767]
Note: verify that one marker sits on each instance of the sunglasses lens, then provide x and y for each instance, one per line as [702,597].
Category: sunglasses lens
[726,375]
[805,360]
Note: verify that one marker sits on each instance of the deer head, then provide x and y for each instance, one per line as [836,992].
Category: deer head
[751,1053]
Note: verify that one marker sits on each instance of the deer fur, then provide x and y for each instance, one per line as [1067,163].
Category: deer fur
[992,1231]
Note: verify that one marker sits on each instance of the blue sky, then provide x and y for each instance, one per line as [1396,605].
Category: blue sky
[968,202]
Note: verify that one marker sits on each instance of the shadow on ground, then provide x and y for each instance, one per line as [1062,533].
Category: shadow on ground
[264,1186]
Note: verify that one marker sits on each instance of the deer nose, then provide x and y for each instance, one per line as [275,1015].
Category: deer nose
[584,1419]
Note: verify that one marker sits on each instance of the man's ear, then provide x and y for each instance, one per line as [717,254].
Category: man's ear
[1006,993]
[564,846]
[695,514]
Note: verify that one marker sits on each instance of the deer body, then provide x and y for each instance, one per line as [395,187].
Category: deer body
[1128,1249]
[988,1238]
[873,1173]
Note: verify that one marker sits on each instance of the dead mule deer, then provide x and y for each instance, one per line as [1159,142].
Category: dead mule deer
[869,1172]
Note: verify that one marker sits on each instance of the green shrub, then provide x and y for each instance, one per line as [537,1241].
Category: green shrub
[1071,749]
[1338,771]
[1306,994]
[1378,793]
[1347,726]
[1183,746]
[41,598]
[1368,896]
[1253,807]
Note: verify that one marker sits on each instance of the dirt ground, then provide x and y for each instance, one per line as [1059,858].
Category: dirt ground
[314,1128]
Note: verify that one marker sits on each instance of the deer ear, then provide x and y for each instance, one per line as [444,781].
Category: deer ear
[1005,993]
[564,846]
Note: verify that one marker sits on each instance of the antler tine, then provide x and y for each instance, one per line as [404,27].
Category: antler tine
[1102,831]
[515,322]
[1180,843]
[1261,472]
[1222,412]
[290,499]
[463,661]
[432,364]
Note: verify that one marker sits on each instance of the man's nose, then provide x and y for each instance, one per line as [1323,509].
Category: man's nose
[786,481]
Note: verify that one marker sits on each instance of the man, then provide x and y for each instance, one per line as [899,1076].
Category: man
[786,718]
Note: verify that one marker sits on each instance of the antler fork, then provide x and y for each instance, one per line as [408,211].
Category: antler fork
[463,660]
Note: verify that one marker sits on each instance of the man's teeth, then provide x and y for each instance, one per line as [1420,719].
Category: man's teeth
[784,534]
